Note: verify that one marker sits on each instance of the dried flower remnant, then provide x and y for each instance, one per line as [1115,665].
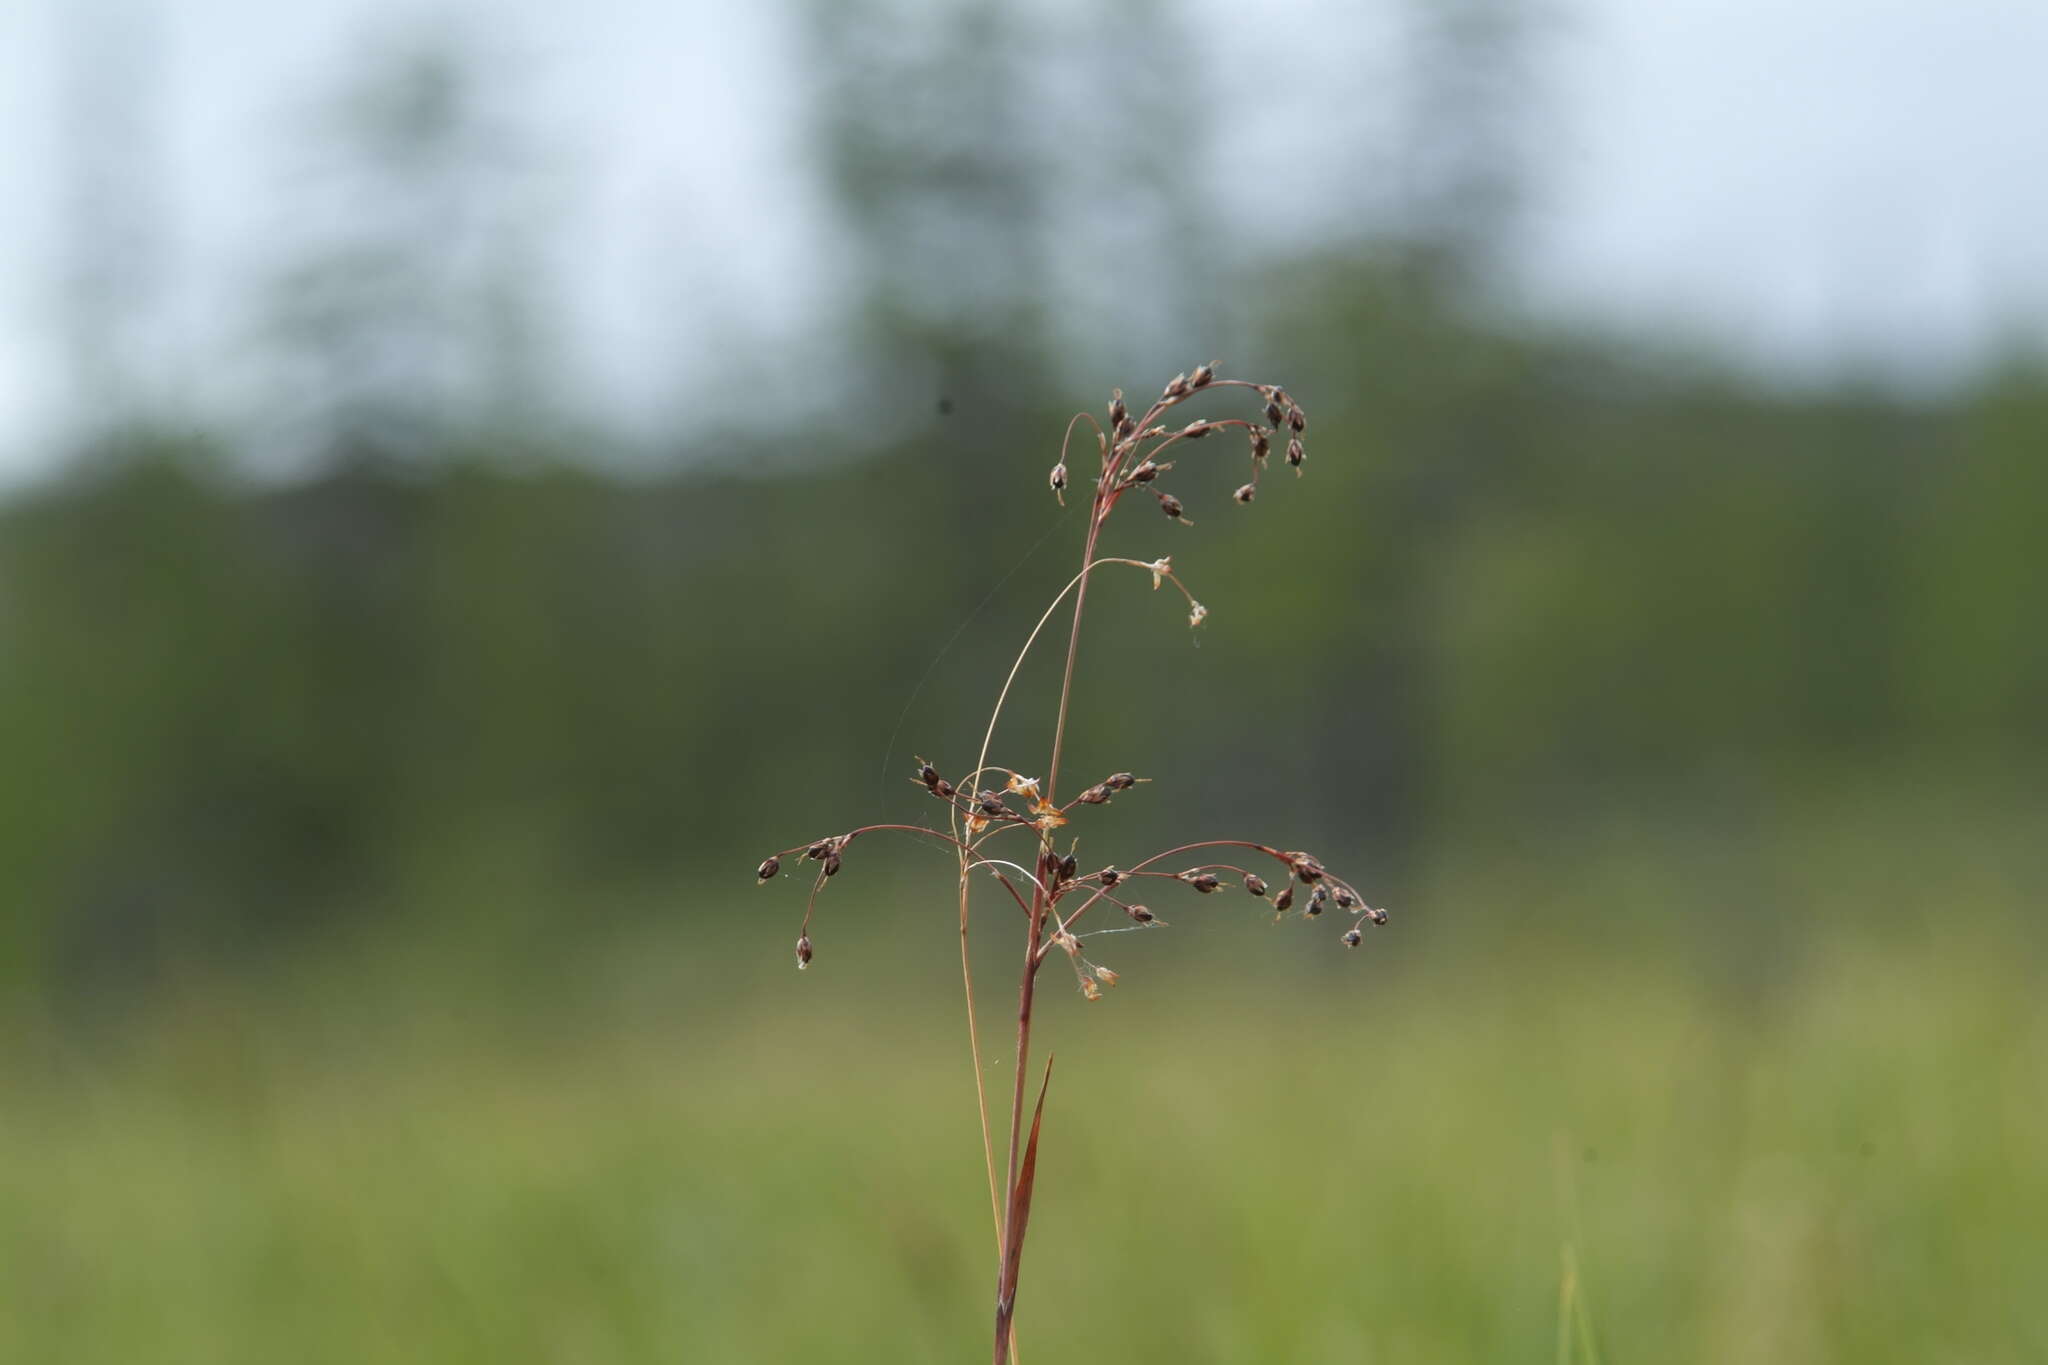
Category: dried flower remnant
[990,801]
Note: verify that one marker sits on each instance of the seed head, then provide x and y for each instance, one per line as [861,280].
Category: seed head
[1178,388]
[803,952]
[1058,480]
[1295,454]
[831,864]
[1125,426]
[1139,913]
[1119,782]
[1096,795]
[769,867]
[1109,876]
[1275,414]
[818,850]
[1285,899]
[1118,413]
[1090,989]
[1197,429]
[1297,420]
[1254,883]
[1201,377]
[1305,866]
[1315,901]
[991,804]
[1066,868]
[1245,493]
[1345,900]
[1170,505]
[1197,613]
[1145,472]
[1105,976]
[1261,445]
[1376,914]
[1352,938]
[1204,882]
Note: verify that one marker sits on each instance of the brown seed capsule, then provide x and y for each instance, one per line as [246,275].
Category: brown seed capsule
[1261,446]
[1377,915]
[1095,796]
[1201,377]
[1254,883]
[1178,388]
[1297,420]
[1170,505]
[1306,867]
[1109,876]
[1352,938]
[769,867]
[1058,479]
[1118,782]
[818,850]
[927,774]
[1245,493]
[1118,413]
[1197,429]
[1125,426]
[803,952]
[1285,899]
[1145,472]
[1067,868]
[1204,882]
[832,864]
[1139,913]
[1090,989]
[1345,900]
[1315,901]
[1274,412]
[943,788]
[991,804]
[1295,454]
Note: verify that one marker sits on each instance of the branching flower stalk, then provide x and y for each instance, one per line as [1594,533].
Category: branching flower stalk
[1046,887]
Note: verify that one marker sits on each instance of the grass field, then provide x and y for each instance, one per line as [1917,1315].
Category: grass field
[694,1156]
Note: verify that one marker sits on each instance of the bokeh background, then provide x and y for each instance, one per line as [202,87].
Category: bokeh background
[478,479]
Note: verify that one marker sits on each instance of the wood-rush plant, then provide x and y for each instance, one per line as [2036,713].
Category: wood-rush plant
[993,809]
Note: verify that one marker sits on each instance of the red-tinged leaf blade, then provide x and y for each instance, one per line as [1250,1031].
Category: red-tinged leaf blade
[1027,1174]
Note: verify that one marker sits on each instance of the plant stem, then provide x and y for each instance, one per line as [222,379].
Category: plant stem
[1012,1256]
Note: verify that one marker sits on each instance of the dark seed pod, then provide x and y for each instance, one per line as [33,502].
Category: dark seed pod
[1067,868]
[1197,429]
[1058,478]
[1109,876]
[1145,472]
[1254,883]
[1178,388]
[1297,420]
[1170,505]
[1095,796]
[1285,899]
[1295,454]
[818,850]
[1378,916]
[832,864]
[1261,446]
[1206,883]
[1245,493]
[1352,938]
[769,867]
[1306,867]
[1118,782]
[1201,377]
[1274,413]
[928,775]
[1139,913]
[943,788]
[1125,426]
[1315,901]
[991,804]
[803,951]
[1345,900]
[1118,413]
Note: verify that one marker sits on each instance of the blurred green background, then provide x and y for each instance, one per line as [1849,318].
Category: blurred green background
[389,751]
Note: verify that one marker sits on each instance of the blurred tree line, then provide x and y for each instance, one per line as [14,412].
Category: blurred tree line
[453,674]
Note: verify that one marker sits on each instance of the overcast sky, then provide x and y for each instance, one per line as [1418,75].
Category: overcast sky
[1802,181]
